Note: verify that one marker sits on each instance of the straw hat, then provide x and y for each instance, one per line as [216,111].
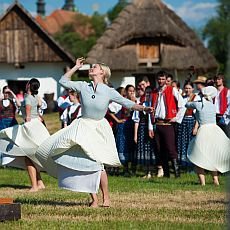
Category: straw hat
[200,79]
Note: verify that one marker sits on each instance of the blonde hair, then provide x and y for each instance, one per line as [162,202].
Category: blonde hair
[107,72]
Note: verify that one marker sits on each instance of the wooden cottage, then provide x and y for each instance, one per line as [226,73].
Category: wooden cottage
[27,50]
[148,36]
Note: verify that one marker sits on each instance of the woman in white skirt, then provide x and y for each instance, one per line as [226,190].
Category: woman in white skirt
[210,149]
[19,143]
[77,153]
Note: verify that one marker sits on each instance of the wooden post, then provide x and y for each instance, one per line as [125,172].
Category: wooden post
[9,210]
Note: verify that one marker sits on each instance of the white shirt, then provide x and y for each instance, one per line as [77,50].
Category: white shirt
[114,107]
[161,108]
[67,112]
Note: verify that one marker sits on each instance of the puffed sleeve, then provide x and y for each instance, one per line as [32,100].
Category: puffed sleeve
[192,104]
[116,97]
[72,85]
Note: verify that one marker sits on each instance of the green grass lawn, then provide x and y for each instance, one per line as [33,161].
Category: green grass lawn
[136,203]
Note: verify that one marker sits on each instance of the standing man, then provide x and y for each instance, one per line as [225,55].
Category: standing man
[222,103]
[200,82]
[169,108]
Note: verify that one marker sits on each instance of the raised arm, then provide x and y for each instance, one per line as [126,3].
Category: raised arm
[65,80]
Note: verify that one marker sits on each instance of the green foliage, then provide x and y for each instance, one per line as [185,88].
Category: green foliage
[216,32]
[113,13]
[74,42]
[98,23]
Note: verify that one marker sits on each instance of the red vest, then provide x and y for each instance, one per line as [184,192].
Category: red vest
[223,100]
[169,99]
[189,112]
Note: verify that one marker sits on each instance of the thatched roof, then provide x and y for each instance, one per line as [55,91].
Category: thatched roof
[151,19]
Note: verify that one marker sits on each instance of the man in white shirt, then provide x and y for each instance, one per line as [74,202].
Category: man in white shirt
[169,109]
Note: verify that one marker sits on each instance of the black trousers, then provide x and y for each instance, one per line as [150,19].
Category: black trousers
[166,144]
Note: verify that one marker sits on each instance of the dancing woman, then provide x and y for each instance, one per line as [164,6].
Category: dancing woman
[210,149]
[77,153]
[20,142]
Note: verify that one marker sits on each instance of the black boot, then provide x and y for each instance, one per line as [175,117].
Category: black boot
[166,169]
[176,168]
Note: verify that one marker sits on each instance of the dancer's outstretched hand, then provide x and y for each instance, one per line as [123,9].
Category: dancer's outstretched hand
[149,109]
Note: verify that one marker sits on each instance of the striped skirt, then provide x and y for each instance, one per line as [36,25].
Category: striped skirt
[184,136]
[7,122]
[125,141]
[145,146]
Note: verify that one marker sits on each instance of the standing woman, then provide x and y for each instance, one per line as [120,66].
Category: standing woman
[77,153]
[187,126]
[124,133]
[8,108]
[210,149]
[20,142]
[145,145]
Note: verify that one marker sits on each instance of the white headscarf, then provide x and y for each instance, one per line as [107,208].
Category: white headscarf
[209,92]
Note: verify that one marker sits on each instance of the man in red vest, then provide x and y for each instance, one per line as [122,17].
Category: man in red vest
[222,103]
[169,109]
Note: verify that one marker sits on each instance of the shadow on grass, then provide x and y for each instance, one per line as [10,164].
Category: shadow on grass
[168,181]
[14,186]
[225,202]
[50,202]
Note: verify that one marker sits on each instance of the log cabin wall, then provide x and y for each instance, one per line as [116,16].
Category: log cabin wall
[21,43]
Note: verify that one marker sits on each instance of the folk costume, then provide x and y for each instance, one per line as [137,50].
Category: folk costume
[22,141]
[210,149]
[71,113]
[168,104]
[124,136]
[222,103]
[8,110]
[76,154]
[63,103]
[184,132]
[145,147]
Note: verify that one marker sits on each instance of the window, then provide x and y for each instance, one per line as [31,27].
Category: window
[148,53]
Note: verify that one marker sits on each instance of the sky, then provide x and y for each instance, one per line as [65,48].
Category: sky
[194,12]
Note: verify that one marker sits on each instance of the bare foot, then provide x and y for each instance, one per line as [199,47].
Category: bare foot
[216,182]
[33,189]
[93,204]
[106,204]
[41,185]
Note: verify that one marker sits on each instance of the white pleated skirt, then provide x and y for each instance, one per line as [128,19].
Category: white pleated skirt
[210,149]
[76,154]
[20,141]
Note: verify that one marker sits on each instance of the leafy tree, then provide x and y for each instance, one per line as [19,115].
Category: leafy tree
[74,42]
[217,32]
[113,13]
[98,23]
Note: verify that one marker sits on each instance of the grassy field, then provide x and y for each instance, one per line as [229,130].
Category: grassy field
[136,203]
